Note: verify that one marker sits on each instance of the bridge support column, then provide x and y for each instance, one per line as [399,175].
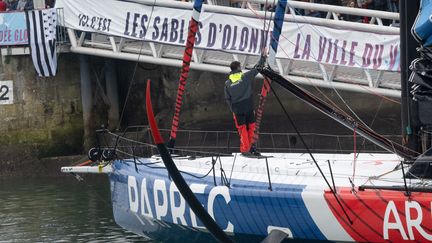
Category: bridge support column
[87,102]
[112,93]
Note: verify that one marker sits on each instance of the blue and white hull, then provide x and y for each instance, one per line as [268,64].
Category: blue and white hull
[147,202]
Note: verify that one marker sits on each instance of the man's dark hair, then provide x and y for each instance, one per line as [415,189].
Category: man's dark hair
[235,66]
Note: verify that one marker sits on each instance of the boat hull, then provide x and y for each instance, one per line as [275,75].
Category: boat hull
[147,202]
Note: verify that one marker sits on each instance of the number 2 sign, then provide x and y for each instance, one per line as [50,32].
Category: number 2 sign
[6,92]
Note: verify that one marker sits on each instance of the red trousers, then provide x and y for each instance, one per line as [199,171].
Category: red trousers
[246,132]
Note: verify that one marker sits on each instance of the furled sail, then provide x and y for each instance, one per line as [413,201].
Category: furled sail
[187,56]
[274,41]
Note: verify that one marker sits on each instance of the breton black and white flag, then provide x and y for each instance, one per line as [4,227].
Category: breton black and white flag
[41,27]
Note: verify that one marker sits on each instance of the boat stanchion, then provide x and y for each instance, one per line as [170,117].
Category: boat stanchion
[352,186]
[407,191]
[134,159]
[214,172]
[268,175]
[224,180]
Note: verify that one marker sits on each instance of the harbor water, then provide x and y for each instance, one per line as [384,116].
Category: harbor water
[59,210]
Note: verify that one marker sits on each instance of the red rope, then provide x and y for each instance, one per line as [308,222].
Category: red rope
[264,91]
[85,163]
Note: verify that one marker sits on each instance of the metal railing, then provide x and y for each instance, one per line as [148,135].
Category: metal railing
[302,72]
[137,141]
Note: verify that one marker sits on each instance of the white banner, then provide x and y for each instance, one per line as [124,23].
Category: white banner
[231,33]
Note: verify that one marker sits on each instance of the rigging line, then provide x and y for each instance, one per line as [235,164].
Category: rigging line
[334,88]
[268,23]
[372,122]
[148,165]
[263,100]
[355,155]
[232,169]
[378,177]
[135,68]
[266,133]
[354,83]
[348,106]
[327,98]
[345,121]
[185,151]
[277,29]
[407,191]
[349,117]
[366,88]
[264,27]
[389,141]
[307,78]
[331,83]
[309,152]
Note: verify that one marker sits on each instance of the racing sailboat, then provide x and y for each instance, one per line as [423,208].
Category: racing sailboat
[185,194]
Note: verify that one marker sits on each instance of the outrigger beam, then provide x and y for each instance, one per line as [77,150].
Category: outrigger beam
[347,121]
[100,169]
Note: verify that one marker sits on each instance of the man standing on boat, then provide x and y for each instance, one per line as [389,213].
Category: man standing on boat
[238,94]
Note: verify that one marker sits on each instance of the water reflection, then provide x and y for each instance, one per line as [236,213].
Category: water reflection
[58,210]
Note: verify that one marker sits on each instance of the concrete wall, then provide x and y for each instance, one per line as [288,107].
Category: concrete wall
[46,114]
[46,118]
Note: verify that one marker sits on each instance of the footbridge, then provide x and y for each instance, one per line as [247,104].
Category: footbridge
[339,49]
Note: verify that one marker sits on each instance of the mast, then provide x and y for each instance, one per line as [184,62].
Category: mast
[277,30]
[187,56]
[274,41]
[408,10]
